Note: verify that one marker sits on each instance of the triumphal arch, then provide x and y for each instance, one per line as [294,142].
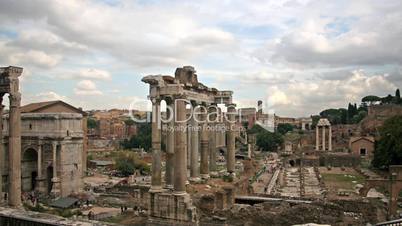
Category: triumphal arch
[191,132]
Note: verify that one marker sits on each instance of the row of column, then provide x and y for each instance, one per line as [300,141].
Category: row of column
[323,138]
[55,179]
[201,143]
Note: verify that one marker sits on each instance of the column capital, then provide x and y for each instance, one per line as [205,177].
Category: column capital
[231,105]
[15,99]
[155,100]
[179,96]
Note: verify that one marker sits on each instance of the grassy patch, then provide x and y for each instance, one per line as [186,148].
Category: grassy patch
[343,180]
[115,219]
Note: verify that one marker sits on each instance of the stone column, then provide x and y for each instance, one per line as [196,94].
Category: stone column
[180,169]
[156,180]
[55,180]
[204,168]
[188,144]
[330,138]
[84,145]
[317,138]
[1,148]
[169,174]
[194,168]
[40,186]
[230,159]
[323,138]
[14,150]
[212,141]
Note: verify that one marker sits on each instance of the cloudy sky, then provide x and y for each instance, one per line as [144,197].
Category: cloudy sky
[298,56]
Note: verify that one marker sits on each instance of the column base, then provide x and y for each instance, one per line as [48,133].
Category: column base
[214,174]
[155,189]
[40,185]
[172,207]
[169,187]
[205,176]
[231,175]
[194,180]
[56,191]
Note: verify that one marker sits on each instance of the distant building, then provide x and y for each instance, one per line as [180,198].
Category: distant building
[303,123]
[247,116]
[362,146]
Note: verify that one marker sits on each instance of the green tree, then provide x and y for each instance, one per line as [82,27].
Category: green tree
[335,116]
[315,119]
[371,99]
[266,140]
[128,162]
[389,148]
[283,128]
[91,123]
[129,122]
[387,100]
[397,97]
[141,140]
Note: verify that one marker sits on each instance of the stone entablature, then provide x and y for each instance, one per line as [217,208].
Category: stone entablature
[51,125]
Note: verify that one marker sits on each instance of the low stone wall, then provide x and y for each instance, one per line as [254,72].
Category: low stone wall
[335,160]
[14,217]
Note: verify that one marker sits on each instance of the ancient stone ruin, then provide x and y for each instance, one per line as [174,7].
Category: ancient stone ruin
[9,83]
[169,201]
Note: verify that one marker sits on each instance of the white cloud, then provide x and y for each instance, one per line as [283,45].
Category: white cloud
[38,58]
[86,88]
[311,97]
[93,73]
[44,96]
[297,52]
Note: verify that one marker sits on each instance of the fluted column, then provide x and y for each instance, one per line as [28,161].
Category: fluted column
[188,143]
[194,165]
[204,168]
[317,137]
[323,138]
[230,159]
[156,181]
[180,169]
[212,140]
[1,148]
[14,149]
[169,174]
[40,186]
[55,180]
[330,139]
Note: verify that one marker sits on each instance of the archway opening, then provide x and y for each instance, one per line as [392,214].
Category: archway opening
[29,170]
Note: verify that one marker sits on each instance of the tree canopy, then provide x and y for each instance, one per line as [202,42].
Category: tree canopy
[283,128]
[389,148]
[371,99]
[91,123]
[128,162]
[141,140]
[266,140]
